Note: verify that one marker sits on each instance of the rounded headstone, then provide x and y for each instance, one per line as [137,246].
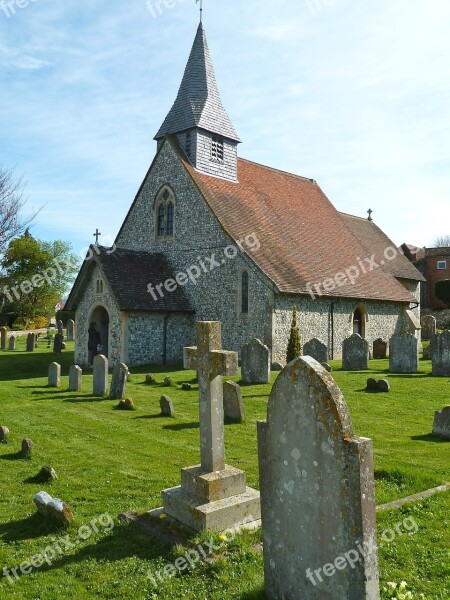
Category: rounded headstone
[276,366]
[168,381]
[150,378]
[4,433]
[27,447]
[187,387]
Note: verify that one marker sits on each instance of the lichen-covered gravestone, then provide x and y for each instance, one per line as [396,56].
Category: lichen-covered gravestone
[119,381]
[440,354]
[31,342]
[70,330]
[233,405]
[428,324]
[100,380]
[75,378]
[379,349]
[441,426]
[54,375]
[317,349]
[3,335]
[403,353]
[317,492]
[255,362]
[166,406]
[355,353]
[12,342]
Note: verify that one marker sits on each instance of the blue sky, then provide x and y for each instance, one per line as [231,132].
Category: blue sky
[353,94]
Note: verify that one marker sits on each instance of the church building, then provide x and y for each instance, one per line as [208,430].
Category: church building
[211,236]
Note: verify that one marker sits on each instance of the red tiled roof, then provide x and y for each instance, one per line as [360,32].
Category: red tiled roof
[304,239]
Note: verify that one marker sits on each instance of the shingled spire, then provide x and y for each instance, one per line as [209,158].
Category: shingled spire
[199,119]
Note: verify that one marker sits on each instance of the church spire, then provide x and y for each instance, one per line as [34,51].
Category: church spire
[198,116]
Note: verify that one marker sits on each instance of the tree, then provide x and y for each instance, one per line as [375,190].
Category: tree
[35,276]
[294,348]
[442,241]
[442,291]
[12,201]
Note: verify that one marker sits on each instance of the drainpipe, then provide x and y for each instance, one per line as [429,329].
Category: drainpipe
[331,321]
[165,321]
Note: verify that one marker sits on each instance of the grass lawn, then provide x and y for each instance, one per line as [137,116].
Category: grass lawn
[111,461]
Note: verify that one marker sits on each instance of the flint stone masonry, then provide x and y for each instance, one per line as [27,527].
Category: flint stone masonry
[317,490]
[3,336]
[166,405]
[440,354]
[100,383]
[119,382]
[255,362]
[31,342]
[404,353]
[70,330]
[233,405]
[355,355]
[54,375]
[12,342]
[379,349]
[317,349]
[428,324]
[441,426]
[75,378]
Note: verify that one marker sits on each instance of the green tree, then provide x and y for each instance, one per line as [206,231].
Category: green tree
[294,348]
[35,276]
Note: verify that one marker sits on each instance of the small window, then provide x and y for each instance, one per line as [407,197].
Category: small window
[358,322]
[161,220]
[99,286]
[442,264]
[217,148]
[188,145]
[244,293]
[170,214]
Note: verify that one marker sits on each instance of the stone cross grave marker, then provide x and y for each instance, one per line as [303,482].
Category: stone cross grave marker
[355,353]
[54,375]
[100,382]
[317,349]
[213,496]
[255,362]
[118,382]
[403,353]
[70,330]
[380,348]
[440,354]
[317,492]
[75,378]
[3,335]
[12,342]
[428,324]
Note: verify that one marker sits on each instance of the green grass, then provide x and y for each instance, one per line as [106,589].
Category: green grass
[112,461]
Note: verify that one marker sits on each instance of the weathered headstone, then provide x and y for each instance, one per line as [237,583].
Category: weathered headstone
[150,378]
[355,353]
[27,448]
[317,350]
[166,405]
[54,375]
[186,387]
[118,381]
[75,378]
[58,343]
[378,385]
[428,324]
[233,405]
[53,508]
[126,404]
[4,433]
[31,342]
[441,426]
[3,336]
[168,381]
[403,353]
[380,348]
[12,342]
[213,496]
[47,473]
[255,362]
[100,383]
[426,353]
[317,492]
[276,366]
[440,354]
[70,330]
[60,326]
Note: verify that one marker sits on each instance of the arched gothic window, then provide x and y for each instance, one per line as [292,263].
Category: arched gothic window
[170,217]
[165,213]
[244,293]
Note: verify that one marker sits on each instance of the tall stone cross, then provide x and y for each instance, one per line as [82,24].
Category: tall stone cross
[97,234]
[211,362]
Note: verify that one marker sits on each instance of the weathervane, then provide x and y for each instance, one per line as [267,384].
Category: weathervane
[201,9]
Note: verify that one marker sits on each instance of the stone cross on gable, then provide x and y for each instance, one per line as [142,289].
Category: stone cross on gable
[211,362]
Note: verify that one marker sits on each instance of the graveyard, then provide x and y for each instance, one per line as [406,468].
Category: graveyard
[110,462]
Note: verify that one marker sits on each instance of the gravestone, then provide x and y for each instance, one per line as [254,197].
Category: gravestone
[70,330]
[54,375]
[3,336]
[53,508]
[255,362]
[233,405]
[428,324]
[317,492]
[441,426]
[118,382]
[12,342]
[355,353]
[75,378]
[379,348]
[4,433]
[317,349]
[27,449]
[378,385]
[58,343]
[440,354]
[403,353]
[213,496]
[426,353]
[276,366]
[100,383]
[60,326]
[166,405]
[31,342]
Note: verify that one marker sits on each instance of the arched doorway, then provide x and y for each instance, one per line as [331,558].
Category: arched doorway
[100,317]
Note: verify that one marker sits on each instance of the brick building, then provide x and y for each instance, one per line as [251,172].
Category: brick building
[436,268]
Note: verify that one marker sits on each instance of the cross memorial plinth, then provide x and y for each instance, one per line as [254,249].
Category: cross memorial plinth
[213,496]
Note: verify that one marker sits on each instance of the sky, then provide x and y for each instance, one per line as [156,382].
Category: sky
[355,95]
